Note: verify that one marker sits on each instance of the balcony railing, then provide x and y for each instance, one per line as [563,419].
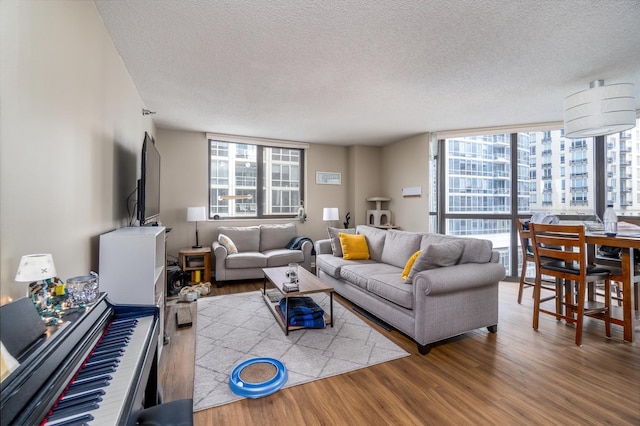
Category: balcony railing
[579,202]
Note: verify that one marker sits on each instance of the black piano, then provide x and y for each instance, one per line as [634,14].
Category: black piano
[99,367]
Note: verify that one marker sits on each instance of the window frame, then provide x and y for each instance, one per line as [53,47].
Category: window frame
[260,189]
[600,162]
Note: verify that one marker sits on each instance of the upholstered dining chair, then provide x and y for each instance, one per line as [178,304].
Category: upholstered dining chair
[616,274]
[560,251]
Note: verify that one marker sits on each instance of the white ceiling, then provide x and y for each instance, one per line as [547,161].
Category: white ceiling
[368,71]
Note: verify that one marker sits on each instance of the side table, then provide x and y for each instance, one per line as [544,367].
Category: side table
[198,262]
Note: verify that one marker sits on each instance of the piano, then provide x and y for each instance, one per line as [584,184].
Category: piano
[99,368]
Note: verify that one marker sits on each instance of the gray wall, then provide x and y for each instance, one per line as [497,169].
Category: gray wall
[366,172]
[71,131]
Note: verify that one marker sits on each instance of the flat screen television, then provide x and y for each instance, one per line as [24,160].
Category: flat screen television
[149,183]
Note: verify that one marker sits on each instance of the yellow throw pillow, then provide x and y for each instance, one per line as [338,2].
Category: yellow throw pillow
[409,265]
[354,247]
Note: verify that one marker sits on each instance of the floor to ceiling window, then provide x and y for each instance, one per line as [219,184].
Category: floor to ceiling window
[487,181]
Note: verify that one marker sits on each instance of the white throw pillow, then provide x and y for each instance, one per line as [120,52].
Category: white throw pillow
[228,244]
[336,247]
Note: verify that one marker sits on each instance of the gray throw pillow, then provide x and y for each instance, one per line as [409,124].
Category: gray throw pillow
[437,256]
[336,247]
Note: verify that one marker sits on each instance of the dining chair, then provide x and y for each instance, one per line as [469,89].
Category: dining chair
[527,257]
[560,251]
[605,259]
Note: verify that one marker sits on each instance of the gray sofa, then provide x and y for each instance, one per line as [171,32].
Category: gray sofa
[258,247]
[455,293]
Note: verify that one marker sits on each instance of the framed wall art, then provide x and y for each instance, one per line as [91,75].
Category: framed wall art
[328,178]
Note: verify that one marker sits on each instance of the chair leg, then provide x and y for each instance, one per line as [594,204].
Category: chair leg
[536,301]
[568,301]
[523,274]
[607,305]
[559,296]
[580,312]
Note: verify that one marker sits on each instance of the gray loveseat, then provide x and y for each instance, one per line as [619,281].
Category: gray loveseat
[455,293]
[261,246]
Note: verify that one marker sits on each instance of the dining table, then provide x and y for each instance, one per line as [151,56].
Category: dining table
[628,243]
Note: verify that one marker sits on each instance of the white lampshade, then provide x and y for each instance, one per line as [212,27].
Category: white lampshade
[196,214]
[330,213]
[35,267]
[600,110]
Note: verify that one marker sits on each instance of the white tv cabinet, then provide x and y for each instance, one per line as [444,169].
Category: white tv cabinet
[133,268]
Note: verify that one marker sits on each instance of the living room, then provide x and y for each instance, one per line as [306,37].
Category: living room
[72,127]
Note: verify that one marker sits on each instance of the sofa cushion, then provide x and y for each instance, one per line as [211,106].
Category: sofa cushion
[399,246]
[409,264]
[476,250]
[354,247]
[437,256]
[332,265]
[246,238]
[336,247]
[282,257]
[392,288]
[276,236]
[228,244]
[252,259]
[375,240]
[360,273]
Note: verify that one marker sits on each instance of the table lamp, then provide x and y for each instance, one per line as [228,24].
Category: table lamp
[196,214]
[330,214]
[34,268]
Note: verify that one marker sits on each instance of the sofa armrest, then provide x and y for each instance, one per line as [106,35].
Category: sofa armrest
[457,278]
[323,247]
[306,248]
[220,255]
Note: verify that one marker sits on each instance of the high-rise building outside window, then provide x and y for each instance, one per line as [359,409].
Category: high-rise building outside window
[253,181]
[552,174]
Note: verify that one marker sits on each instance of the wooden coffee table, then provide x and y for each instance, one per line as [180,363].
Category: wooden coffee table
[308,284]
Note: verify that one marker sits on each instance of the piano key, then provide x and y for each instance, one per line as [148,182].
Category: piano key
[98,362]
[80,408]
[111,407]
[115,343]
[109,353]
[90,379]
[95,395]
[117,334]
[81,394]
[74,421]
[105,356]
[97,369]
[81,387]
[116,322]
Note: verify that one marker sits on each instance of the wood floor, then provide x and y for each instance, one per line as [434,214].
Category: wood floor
[517,376]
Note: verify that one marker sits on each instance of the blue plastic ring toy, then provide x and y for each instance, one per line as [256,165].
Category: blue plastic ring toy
[257,390]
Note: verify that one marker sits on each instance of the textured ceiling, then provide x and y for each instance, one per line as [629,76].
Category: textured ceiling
[368,71]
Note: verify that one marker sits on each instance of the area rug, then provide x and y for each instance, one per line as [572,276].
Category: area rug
[233,328]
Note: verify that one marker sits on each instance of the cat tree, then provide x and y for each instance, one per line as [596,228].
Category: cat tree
[379,217]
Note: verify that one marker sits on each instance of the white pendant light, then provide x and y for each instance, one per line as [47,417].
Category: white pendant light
[600,110]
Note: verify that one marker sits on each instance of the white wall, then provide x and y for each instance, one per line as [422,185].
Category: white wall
[184,174]
[406,164]
[71,130]
[366,172]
